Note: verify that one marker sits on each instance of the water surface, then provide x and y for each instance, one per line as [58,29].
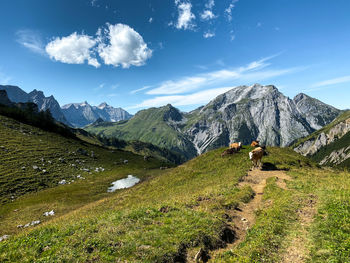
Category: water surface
[123,183]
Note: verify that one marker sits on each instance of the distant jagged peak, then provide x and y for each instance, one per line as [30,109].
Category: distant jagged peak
[37,93]
[76,105]
[85,103]
[103,105]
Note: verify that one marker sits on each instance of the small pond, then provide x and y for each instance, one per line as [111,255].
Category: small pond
[123,183]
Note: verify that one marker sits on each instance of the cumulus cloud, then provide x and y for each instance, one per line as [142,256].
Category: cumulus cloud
[117,45]
[31,40]
[186,17]
[207,15]
[74,49]
[125,47]
[208,34]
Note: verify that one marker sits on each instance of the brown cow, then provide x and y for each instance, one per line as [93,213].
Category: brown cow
[256,156]
[228,151]
[255,144]
[236,145]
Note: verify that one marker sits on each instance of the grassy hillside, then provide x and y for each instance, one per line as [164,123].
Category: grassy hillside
[137,147]
[32,159]
[169,216]
[149,126]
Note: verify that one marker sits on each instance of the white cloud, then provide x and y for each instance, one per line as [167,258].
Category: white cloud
[191,83]
[31,40]
[186,17]
[125,47]
[117,45]
[229,9]
[251,73]
[200,97]
[74,49]
[334,81]
[207,15]
[208,34]
[141,89]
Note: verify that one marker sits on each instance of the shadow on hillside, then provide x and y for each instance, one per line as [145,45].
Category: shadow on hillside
[267,166]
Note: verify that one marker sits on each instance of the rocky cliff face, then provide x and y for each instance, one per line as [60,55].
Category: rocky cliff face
[109,113]
[47,103]
[329,145]
[17,95]
[315,112]
[324,138]
[248,113]
[82,114]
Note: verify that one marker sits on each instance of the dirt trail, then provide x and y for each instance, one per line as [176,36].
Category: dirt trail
[297,251]
[243,218]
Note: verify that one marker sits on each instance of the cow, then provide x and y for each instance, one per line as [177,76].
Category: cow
[236,145]
[255,144]
[228,151]
[256,156]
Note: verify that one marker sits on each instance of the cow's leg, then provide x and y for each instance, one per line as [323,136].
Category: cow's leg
[254,163]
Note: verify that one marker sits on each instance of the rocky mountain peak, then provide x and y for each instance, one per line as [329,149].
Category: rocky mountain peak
[43,103]
[103,105]
[172,114]
[299,97]
[37,94]
[82,114]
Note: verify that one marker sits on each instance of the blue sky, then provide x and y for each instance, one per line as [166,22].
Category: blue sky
[137,54]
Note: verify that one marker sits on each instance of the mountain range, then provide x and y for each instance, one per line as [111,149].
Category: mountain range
[74,114]
[16,94]
[244,113]
[82,114]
